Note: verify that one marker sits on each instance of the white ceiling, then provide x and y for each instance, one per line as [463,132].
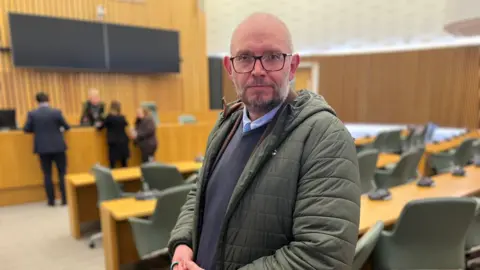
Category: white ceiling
[332,26]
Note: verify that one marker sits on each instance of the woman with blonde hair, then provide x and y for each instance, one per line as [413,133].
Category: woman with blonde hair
[144,134]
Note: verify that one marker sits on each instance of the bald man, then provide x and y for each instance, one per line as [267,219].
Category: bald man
[279,188]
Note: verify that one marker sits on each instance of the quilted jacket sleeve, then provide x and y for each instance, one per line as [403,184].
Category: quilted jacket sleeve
[183,230]
[327,209]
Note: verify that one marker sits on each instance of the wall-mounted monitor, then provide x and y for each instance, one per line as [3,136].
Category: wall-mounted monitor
[47,42]
[138,49]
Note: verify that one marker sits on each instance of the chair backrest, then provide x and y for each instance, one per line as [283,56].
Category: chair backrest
[366,244]
[405,169]
[107,188]
[161,176]
[152,236]
[380,141]
[367,163]
[168,209]
[152,107]
[476,150]
[473,233]
[429,234]
[393,141]
[464,152]
[408,141]
[187,119]
[419,151]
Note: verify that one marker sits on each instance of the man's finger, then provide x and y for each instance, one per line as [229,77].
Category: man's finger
[192,266]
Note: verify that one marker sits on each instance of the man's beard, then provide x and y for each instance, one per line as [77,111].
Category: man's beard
[258,104]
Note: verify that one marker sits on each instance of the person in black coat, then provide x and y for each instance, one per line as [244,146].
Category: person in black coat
[117,138]
[47,124]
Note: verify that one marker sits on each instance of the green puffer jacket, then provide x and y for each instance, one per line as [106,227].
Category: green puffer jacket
[296,204]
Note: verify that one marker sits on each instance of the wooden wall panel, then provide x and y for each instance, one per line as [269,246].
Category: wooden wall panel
[439,85]
[185,91]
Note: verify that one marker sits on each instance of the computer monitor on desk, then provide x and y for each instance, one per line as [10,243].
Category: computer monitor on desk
[7,119]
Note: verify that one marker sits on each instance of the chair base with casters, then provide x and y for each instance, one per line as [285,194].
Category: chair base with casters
[95,237]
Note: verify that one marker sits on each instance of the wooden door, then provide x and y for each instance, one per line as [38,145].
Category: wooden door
[303,79]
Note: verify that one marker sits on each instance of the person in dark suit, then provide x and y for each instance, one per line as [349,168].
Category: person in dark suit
[46,124]
[93,109]
[144,134]
[117,138]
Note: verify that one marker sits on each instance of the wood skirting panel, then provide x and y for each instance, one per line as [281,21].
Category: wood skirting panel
[23,195]
[184,91]
[20,168]
[440,85]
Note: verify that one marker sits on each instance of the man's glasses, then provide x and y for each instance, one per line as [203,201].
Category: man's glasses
[269,62]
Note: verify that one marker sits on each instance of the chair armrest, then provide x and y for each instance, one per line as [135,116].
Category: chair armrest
[191,179]
[442,155]
[140,221]
[128,194]
[383,172]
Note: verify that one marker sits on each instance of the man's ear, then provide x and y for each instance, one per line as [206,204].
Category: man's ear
[228,65]
[293,66]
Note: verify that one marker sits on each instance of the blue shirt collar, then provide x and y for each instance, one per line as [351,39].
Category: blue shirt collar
[249,125]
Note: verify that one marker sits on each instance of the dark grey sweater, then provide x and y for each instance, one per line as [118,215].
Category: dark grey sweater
[219,190]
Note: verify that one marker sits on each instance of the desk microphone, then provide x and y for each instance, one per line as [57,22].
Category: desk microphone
[425,182]
[458,171]
[380,195]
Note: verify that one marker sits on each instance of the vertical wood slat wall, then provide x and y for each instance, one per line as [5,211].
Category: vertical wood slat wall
[185,91]
[440,85]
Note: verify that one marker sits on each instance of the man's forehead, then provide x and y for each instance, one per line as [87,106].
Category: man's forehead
[261,30]
[259,42]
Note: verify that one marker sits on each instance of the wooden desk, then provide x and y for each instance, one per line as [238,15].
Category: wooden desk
[386,158]
[432,148]
[120,249]
[367,140]
[82,192]
[389,211]
[21,179]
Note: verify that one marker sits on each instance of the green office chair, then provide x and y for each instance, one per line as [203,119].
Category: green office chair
[366,244]
[472,243]
[159,176]
[393,142]
[476,152]
[367,164]
[429,234]
[152,107]
[151,235]
[187,119]
[107,189]
[445,162]
[401,173]
[380,142]
[407,142]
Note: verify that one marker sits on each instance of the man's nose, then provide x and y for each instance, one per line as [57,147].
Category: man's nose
[258,69]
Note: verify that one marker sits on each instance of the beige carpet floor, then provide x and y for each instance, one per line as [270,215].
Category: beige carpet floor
[34,236]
